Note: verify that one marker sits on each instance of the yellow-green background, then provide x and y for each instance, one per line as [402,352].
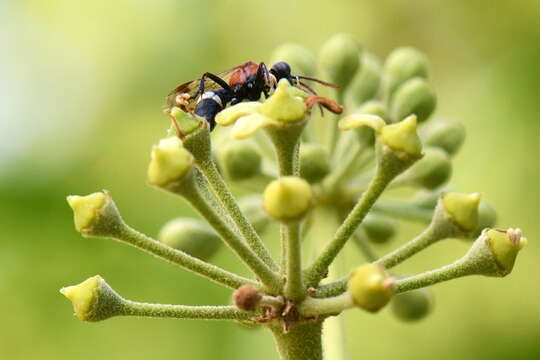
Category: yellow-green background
[82,84]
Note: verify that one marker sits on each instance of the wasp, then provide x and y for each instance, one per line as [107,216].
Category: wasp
[211,93]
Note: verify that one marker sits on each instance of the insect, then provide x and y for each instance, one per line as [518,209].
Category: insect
[210,94]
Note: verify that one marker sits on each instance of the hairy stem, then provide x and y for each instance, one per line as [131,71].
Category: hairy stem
[269,278]
[302,342]
[319,268]
[327,306]
[294,287]
[180,258]
[133,308]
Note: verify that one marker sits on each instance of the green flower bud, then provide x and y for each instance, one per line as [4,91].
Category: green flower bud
[365,84]
[287,198]
[403,138]
[314,162]
[185,121]
[462,209]
[170,163]
[371,287]
[487,217]
[339,57]
[301,60]
[494,252]
[412,305]
[96,215]
[401,65]
[413,97]
[191,236]
[445,134]
[94,300]
[426,199]
[374,108]
[430,172]
[241,160]
[379,228]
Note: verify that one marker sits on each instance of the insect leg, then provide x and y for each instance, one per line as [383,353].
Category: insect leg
[215,79]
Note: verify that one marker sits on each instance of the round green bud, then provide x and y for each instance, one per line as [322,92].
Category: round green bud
[287,198]
[416,97]
[314,162]
[379,228]
[252,208]
[191,236]
[412,305]
[448,135]
[93,299]
[240,160]
[375,107]
[401,65]
[370,287]
[365,84]
[430,172]
[301,60]
[339,57]
[487,217]
[426,199]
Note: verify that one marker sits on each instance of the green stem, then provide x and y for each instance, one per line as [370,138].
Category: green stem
[333,288]
[301,342]
[404,210]
[269,278]
[133,308]
[177,257]
[327,306]
[294,287]
[210,172]
[334,130]
[455,270]
[422,241]
[364,246]
[318,269]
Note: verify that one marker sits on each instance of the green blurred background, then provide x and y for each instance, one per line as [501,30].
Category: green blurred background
[82,85]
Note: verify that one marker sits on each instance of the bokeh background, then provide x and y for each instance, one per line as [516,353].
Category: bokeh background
[82,85]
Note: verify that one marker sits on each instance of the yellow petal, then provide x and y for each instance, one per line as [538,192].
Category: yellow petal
[233,113]
[248,125]
[354,121]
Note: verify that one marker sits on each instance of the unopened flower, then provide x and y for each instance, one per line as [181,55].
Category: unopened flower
[298,57]
[287,198]
[240,159]
[340,58]
[314,162]
[448,135]
[414,96]
[371,287]
[401,65]
[412,305]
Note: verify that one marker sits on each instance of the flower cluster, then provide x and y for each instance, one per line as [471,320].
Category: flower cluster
[326,181]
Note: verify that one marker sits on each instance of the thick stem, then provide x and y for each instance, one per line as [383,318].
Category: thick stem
[319,268]
[133,308]
[177,257]
[302,342]
[294,287]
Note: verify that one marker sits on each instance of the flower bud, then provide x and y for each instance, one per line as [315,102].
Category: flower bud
[241,160]
[252,208]
[340,58]
[96,214]
[426,199]
[401,65]
[487,217]
[191,236]
[413,97]
[247,297]
[379,228]
[403,139]
[93,299]
[445,134]
[301,60]
[170,163]
[287,198]
[461,209]
[314,162]
[494,252]
[185,121]
[371,287]
[365,84]
[430,172]
[374,107]
[412,305]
